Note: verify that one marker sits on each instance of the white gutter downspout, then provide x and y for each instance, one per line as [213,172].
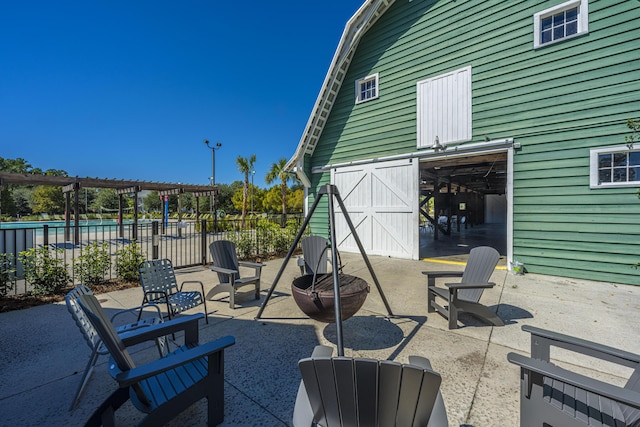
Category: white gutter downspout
[299,170]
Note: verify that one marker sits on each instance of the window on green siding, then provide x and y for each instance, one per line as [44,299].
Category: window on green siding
[560,22]
[367,88]
[615,167]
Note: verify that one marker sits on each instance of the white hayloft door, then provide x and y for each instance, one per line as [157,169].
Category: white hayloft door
[382,201]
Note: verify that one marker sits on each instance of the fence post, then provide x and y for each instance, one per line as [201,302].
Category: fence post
[255,233]
[155,240]
[203,240]
[45,235]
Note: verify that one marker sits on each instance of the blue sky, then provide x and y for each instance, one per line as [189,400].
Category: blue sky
[128,89]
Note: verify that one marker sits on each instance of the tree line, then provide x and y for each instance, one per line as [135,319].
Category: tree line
[239,197]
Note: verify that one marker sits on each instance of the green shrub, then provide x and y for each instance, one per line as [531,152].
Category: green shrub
[276,239]
[48,274]
[94,264]
[128,260]
[265,231]
[7,273]
[245,243]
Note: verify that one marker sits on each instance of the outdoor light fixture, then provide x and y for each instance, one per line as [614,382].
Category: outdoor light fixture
[253,173]
[212,199]
[436,145]
[213,159]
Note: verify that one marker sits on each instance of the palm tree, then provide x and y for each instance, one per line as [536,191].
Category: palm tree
[277,171]
[245,166]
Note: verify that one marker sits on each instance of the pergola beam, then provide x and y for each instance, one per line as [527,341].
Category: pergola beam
[62,181]
[121,187]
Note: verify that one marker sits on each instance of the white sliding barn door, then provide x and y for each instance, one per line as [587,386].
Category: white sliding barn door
[382,201]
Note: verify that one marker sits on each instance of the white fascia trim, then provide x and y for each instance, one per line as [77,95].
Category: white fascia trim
[354,30]
[457,151]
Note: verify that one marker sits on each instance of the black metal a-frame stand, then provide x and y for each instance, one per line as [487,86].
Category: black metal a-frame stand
[333,193]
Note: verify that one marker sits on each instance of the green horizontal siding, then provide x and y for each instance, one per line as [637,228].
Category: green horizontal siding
[560,234]
[318,224]
[557,102]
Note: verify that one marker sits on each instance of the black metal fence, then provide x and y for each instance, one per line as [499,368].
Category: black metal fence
[185,243]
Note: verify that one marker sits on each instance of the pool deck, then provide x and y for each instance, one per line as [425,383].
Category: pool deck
[42,353]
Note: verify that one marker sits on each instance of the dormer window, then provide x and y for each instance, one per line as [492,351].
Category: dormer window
[367,88]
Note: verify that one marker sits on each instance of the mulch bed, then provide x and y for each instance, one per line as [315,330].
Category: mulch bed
[20,302]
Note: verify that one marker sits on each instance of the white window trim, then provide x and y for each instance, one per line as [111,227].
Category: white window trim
[583,20]
[374,77]
[594,181]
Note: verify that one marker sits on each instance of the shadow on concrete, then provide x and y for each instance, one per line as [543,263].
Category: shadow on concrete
[511,314]
[366,333]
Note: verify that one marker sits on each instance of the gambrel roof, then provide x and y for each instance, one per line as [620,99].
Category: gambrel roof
[356,27]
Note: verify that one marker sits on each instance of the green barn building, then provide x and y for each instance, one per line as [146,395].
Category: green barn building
[504,113]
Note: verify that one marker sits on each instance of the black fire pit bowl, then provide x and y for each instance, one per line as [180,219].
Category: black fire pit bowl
[317,300]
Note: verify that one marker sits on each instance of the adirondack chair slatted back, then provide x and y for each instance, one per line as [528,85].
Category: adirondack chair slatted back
[84,324]
[480,266]
[346,391]
[110,338]
[315,254]
[224,255]
[158,276]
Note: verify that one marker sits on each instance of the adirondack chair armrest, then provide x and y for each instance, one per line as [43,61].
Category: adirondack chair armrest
[421,362]
[437,274]
[470,285]
[172,361]
[322,351]
[542,340]
[226,271]
[618,394]
[256,265]
[433,275]
[188,324]
[193,281]
[134,309]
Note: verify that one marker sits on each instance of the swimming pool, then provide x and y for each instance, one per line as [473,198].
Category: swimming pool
[58,227]
[40,224]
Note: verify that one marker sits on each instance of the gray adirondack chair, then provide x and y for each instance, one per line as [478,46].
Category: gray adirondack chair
[160,286]
[314,255]
[554,396]
[227,266]
[165,387]
[465,295]
[93,339]
[346,391]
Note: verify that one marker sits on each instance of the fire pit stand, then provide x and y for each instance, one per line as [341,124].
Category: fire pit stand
[332,192]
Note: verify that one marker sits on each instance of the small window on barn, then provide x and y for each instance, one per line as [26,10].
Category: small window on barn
[367,88]
[560,22]
[615,167]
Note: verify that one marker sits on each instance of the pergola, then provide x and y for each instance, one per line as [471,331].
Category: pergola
[74,184]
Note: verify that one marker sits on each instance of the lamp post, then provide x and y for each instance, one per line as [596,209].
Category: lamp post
[253,172]
[212,200]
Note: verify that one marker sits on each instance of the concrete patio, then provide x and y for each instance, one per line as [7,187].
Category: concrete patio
[42,353]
